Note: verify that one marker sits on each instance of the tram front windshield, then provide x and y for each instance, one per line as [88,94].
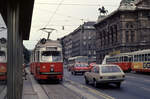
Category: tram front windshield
[2,56]
[51,56]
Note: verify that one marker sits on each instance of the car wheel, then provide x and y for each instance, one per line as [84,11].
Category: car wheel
[86,81]
[118,84]
[95,83]
[72,73]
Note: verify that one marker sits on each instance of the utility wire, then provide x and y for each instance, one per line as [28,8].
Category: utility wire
[75,4]
[54,13]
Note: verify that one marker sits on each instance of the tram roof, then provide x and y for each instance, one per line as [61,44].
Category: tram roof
[48,43]
[147,51]
[26,9]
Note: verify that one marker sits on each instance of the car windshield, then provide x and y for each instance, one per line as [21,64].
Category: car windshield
[81,65]
[110,69]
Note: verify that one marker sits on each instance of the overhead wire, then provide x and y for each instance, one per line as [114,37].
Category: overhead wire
[54,12]
[74,4]
[52,15]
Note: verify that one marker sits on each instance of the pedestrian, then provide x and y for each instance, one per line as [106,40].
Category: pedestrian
[24,72]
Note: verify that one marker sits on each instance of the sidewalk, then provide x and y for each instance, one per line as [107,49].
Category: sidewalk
[28,91]
[31,89]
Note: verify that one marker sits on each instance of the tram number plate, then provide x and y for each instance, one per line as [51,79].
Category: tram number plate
[52,76]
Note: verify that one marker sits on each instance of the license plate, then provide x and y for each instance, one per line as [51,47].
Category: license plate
[112,77]
[52,69]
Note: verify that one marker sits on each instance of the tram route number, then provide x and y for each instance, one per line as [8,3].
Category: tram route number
[146,65]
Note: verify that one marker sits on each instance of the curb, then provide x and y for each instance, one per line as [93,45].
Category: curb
[98,93]
[37,87]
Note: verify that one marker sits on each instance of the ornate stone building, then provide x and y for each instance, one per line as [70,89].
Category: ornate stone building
[125,30]
[81,42]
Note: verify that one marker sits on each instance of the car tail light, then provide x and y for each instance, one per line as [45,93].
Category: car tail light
[101,77]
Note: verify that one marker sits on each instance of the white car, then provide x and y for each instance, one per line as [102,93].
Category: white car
[105,74]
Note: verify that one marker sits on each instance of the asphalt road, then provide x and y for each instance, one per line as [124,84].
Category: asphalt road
[136,86]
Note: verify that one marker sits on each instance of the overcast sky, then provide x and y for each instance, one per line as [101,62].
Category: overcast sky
[67,13]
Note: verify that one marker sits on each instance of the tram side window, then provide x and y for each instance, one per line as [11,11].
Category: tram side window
[135,58]
[148,58]
[125,59]
[2,56]
[120,59]
[130,59]
[145,58]
[38,56]
[140,58]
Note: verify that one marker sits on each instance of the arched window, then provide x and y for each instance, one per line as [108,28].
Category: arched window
[127,25]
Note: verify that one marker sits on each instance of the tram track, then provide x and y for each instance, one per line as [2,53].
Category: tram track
[45,91]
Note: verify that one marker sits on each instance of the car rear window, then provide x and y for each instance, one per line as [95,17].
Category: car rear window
[81,65]
[110,69]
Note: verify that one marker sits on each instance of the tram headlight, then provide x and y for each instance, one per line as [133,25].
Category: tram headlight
[43,67]
[2,68]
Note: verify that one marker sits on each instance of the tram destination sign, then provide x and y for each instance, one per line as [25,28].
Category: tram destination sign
[51,48]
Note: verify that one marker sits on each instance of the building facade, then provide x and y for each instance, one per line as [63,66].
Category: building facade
[81,42]
[125,30]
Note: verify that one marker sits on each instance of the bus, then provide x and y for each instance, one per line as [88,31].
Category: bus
[124,60]
[46,60]
[77,59]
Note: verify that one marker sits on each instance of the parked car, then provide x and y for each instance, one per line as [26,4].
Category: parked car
[105,74]
[79,68]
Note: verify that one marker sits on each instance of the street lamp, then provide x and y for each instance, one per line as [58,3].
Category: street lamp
[48,30]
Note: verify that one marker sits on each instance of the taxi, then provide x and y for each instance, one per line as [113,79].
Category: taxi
[105,74]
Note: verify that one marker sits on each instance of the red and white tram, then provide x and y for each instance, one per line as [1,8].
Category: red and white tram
[3,59]
[46,60]
[124,60]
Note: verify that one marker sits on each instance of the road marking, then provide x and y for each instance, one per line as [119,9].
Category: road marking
[105,96]
[83,94]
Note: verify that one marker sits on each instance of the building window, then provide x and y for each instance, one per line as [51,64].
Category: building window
[127,25]
[84,43]
[89,52]
[94,52]
[131,26]
[127,36]
[132,36]
[84,37]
